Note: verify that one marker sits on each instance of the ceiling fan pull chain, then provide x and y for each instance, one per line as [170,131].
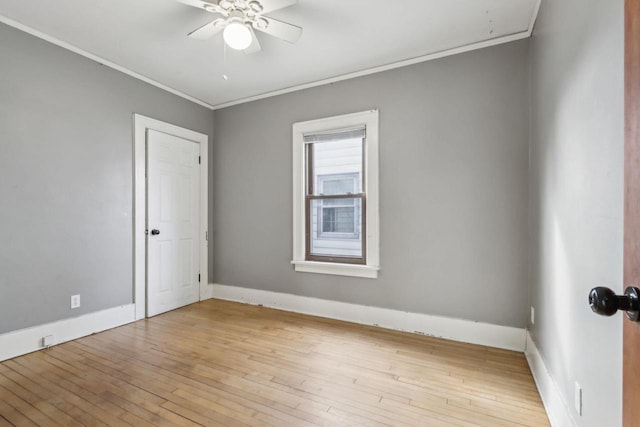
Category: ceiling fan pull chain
[224,62]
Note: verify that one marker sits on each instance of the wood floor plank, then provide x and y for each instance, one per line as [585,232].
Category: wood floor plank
[41,402]
[421,414]
[227,395]
[4,422]
[43,387]
[83,408]
[14,416]
[219,363]
[25,408]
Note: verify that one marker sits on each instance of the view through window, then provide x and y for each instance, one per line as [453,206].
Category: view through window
[335,196]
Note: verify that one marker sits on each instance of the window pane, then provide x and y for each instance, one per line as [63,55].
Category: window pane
[336,227]
[338,220]
[337,167]
[339,185]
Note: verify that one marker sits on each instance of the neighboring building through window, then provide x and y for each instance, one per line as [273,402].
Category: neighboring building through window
[336,195]
[339,218]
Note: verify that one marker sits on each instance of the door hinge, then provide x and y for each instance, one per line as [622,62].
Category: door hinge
[198,278]
[206,236]
[199,159]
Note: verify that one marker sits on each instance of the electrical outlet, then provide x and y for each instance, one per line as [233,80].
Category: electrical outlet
[75,301]
[577,398]
[533,315]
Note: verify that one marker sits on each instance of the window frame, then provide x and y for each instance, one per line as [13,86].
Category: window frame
[369,266]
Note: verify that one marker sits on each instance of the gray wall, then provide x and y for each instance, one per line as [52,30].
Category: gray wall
[453,188]
[66,178]
[577,198]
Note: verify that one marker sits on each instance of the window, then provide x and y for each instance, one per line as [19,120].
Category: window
[336,195]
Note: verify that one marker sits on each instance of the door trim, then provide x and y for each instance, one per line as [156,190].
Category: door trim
[140,126]
[631,271]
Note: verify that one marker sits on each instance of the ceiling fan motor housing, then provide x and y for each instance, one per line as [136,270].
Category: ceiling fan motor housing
[249,8]
[242,12]
[246,13]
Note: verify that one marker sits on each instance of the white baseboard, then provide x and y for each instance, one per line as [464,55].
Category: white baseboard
[557,409]
[444,327]
[27,340]
[206,292]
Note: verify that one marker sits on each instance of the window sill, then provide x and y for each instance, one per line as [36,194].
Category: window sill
[367,271]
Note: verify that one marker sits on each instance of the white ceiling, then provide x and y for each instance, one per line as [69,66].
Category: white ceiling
[340,39]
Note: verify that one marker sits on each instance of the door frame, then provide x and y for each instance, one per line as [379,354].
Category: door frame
[140,126]
[631,276]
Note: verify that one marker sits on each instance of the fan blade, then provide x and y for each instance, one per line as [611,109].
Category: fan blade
[207,30]
[271,5]
[209,6]
[194,3]
[280,29]
[254,47]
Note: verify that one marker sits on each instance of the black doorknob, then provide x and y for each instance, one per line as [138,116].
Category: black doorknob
[155,232]
[605,302]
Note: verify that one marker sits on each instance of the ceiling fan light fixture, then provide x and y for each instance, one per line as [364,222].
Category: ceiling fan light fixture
[237,36]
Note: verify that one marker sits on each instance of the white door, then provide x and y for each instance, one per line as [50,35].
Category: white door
[173,222]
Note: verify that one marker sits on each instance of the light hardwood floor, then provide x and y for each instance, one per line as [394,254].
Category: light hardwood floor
[227,364]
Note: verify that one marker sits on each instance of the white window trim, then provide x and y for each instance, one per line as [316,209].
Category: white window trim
[370,120]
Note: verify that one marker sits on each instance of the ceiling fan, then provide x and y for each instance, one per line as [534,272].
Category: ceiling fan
[237,19]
